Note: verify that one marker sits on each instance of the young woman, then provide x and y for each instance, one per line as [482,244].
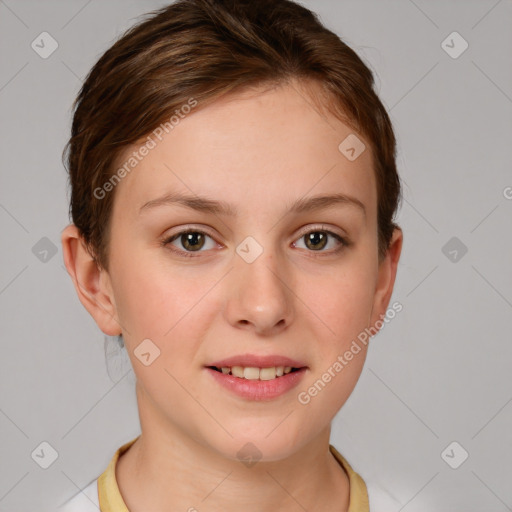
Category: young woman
[233,188]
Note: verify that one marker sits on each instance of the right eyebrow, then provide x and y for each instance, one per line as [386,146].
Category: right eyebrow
[202,204]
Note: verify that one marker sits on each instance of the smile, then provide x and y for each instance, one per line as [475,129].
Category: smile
[255,383]
[254,373]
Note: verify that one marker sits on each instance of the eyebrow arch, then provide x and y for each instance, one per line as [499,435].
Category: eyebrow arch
[202,204]
[206,205]
[307,204]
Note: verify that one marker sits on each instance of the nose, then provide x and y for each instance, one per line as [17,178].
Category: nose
[259,298]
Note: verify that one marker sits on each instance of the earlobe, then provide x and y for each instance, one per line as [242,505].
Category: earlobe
[92,284]
[386,277]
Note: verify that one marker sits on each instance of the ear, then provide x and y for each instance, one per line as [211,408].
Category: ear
[92,284]
[386,277]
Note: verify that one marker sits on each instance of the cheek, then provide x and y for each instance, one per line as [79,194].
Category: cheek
[344,308]
[174,310]
[155,301]
[337,313]
[343,303]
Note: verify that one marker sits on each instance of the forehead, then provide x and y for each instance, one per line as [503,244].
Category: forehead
[258,148]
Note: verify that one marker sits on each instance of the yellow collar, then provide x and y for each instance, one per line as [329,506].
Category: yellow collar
[111,500]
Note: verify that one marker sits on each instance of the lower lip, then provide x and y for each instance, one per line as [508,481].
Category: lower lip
[259,389]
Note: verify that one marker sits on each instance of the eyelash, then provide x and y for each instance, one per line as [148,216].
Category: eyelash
[192,254]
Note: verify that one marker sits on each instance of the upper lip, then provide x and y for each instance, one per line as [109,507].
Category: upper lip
[257,361]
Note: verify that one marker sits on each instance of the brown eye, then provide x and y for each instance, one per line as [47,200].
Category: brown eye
[321,241]
[316,240]
[192,241]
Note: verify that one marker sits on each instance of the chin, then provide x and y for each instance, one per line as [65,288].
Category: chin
[264,445]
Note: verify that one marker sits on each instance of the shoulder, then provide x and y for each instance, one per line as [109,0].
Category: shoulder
[83,501]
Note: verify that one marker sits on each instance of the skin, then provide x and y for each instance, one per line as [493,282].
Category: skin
[259,151]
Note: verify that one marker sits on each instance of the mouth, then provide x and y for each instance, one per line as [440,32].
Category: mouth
[255,373]
[256,377]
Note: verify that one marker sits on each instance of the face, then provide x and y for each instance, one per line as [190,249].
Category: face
[246,240]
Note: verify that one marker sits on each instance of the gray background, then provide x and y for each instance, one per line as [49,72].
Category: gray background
[438,373]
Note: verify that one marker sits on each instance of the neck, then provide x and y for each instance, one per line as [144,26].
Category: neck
[166,469]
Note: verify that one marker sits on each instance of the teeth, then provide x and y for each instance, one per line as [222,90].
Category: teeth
[268,373]
[253,373]
[237,371]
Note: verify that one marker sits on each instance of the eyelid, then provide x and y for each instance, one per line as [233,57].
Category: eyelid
[190,229]
[321,227]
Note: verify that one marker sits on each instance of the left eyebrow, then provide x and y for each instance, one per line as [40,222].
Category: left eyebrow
[320,202]
[207,205]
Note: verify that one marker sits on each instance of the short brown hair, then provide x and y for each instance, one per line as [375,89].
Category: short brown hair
[204,49]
